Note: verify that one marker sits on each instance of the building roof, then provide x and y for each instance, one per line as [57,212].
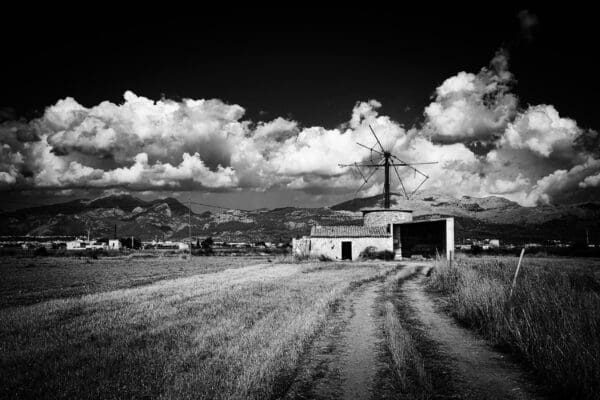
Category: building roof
[349,231]
[379,209]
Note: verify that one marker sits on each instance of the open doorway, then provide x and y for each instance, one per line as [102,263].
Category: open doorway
[346,250]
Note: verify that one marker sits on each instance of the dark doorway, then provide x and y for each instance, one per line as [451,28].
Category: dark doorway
[346,250]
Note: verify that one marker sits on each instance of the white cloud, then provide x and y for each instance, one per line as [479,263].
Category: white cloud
[530,156]
[590,181]
[470,106]
[541,130]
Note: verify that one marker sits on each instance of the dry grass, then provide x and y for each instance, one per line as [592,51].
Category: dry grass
[407,361]
[237,333]
[28,280]
[552,321]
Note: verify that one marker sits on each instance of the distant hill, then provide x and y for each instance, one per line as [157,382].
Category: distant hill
[489,217]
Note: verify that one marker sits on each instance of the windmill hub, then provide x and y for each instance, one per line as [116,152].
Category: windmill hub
[387,160]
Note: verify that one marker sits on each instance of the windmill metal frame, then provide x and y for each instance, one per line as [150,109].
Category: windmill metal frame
[388,160]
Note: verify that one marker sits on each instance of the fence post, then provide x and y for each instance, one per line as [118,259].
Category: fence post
[516,273]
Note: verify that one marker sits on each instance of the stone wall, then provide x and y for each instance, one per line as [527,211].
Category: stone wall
[384,217]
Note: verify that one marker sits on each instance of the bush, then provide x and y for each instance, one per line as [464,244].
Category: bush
[371,253]
[301,257]
[324,258]
[40,252]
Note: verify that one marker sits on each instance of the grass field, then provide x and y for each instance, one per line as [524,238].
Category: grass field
[552,321]
[28,280]
[210,333]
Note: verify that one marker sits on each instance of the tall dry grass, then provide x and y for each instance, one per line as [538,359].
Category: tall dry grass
[552,321]
[235,334]
[407,360]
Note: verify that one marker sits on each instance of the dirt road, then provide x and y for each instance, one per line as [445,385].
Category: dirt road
[350,358]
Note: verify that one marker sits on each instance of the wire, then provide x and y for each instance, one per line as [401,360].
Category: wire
[213,206]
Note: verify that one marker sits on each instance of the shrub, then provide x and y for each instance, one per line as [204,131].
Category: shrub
[371,253]
[40,252]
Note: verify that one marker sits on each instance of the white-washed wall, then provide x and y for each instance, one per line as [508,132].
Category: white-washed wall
[332,247]
[449,238]
[301,247]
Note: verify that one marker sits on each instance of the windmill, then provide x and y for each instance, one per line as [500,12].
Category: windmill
[386,161]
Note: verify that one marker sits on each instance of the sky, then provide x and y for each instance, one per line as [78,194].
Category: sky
[250,109]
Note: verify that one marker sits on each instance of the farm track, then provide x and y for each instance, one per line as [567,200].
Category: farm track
[462,365]
[350,360]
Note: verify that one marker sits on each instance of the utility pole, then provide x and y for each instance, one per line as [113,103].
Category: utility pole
[587,236]
[386,185]
[190,223]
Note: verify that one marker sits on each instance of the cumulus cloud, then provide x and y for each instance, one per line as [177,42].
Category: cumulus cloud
[484,143]
[473,107]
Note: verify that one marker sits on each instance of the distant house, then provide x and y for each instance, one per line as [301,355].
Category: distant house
[78,244]
[168,245]
[114,244]
[494,243]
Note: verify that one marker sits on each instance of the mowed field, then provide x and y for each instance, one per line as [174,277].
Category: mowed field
[163,328]
[29,280]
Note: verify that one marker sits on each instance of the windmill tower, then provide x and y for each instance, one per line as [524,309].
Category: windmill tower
[386,160]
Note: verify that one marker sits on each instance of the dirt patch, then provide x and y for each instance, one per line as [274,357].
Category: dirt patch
[468,367]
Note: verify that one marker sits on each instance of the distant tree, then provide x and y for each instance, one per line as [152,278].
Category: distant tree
[207,245]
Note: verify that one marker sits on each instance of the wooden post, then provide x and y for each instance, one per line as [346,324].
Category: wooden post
[516,273]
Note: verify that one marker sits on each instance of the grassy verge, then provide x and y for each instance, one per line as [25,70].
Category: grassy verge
[408,363]
[237,333]
[552,321]
[407,360]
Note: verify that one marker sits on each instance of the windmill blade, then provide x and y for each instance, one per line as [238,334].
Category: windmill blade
[411,165]
[365,182]
[401,183]
[421,184]
[376,138]
[403,164]
[360,172]
[369,148]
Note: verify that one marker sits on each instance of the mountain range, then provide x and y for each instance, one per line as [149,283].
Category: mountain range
[478,218]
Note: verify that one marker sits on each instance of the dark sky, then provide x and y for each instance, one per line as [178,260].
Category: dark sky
[308,64]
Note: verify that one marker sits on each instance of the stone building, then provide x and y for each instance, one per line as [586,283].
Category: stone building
[383,229]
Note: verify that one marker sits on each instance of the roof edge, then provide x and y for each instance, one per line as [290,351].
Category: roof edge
[376,209]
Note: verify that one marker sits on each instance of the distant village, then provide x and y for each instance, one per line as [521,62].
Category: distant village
[81,244]
[72,244]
